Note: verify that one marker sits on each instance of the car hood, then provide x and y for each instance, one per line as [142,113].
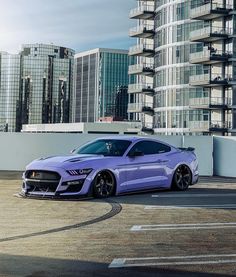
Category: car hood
[61,161]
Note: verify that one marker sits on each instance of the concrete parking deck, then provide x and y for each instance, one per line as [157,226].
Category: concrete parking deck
[162,233]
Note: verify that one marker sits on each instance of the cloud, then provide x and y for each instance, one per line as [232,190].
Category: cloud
[77,24]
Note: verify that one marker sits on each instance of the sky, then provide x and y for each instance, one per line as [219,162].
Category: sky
[77,24]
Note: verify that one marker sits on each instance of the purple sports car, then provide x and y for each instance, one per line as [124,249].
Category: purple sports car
[111,166]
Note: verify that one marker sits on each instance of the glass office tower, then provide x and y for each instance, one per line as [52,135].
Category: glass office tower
[36,86]
[194,80]
[99,75]
[46,84]
[9,91]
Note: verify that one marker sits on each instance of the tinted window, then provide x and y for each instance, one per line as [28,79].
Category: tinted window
[150,147]
[106,147]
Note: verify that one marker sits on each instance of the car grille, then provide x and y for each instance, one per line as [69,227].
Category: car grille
[42,181]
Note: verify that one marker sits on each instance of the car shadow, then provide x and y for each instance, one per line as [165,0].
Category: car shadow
[208,193]
[31,266]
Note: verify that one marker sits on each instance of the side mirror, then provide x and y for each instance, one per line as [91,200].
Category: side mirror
[72,151]
[136,154]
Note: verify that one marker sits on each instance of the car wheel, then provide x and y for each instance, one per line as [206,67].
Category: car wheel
[182,178]
[104,184]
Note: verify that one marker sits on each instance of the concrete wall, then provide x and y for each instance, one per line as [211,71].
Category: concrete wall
[225,156]
[18,149]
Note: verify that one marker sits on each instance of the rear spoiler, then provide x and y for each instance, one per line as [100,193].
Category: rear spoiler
[191,149]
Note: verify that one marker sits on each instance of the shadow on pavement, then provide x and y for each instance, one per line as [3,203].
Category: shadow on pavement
[28,266]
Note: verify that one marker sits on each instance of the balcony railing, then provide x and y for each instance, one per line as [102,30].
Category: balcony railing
[207,101]
[209,79]
[135,107]
[209,10]
[142,49]
[199,125]
[209,32]
[209,55]
[143,30]
[142,11]
[139,88]
[218,125]
[141,68]
[140,107]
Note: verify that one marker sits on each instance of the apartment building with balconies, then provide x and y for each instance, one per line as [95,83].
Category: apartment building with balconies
[141,91]
[192,75]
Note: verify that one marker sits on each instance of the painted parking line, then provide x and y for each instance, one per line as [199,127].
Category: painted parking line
[192,226]
[223,206]
[173,261]
[200,195]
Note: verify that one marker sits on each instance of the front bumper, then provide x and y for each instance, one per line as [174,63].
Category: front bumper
[66,185]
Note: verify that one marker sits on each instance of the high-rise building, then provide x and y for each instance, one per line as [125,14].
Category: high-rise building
[46,83]
[98,76]
[9,91]
[194,69]
[141,88]
[36,86]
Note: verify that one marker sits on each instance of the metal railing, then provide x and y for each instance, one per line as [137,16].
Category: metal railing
[141,9]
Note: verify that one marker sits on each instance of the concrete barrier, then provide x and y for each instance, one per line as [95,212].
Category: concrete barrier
[18,149]
[224,156]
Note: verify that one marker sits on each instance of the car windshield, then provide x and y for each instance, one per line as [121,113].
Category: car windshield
[106,147]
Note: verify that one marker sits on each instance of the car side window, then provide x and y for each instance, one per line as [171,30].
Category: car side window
[150,148]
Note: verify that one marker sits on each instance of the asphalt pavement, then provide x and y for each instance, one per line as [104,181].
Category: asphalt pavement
[159,233]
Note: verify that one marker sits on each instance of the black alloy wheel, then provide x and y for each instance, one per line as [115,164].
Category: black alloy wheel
[182,178]
[104,184]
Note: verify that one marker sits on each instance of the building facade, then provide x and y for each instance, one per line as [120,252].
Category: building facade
[194,81]
[9,90]
[36,86]
[100,78]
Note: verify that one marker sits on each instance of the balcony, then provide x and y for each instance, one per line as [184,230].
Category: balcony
[209,80]
[135,107]
[142,31]
[209,34]
[199,126]
[145,50]
[210,103]
[141,88]
[145,12]
[148,109]
[209,56]
[141,108]
[143,68]
[148,128]
[220,126]
[210,11]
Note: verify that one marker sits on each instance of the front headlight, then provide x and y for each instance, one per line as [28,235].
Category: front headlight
[77,172]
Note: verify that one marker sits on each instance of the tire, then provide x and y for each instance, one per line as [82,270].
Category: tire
[182,178]
[104,184]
